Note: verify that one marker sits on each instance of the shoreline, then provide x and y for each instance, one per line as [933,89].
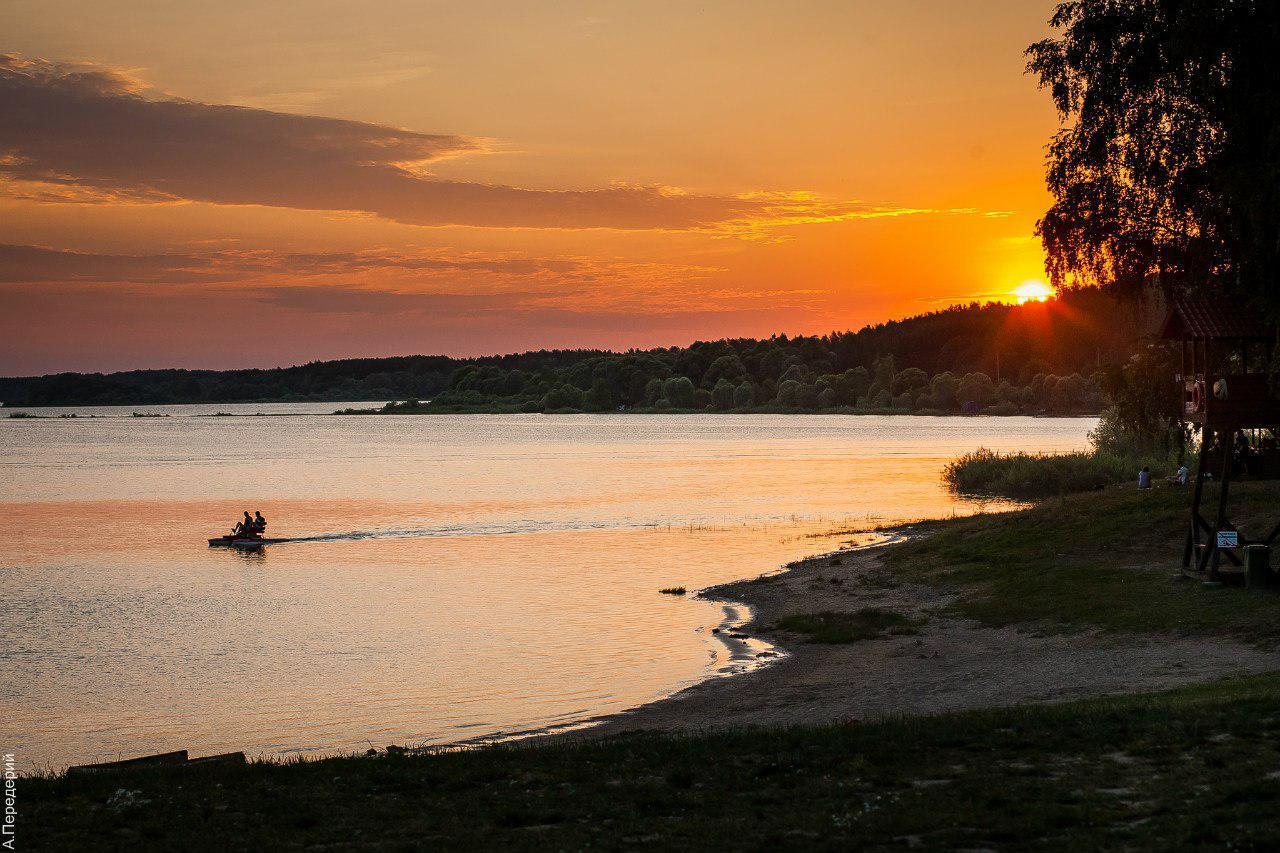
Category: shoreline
[947,664]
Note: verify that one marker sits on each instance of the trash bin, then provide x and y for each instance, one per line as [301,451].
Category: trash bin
[1257,566]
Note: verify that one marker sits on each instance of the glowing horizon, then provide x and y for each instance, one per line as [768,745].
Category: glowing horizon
[386,181]
[1033,290]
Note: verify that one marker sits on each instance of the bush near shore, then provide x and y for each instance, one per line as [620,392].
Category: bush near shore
[1032,476]
[1140,429]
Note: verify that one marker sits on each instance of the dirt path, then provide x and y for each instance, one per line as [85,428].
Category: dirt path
[950,664]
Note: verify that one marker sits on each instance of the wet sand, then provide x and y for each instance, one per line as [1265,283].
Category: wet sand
[949,665]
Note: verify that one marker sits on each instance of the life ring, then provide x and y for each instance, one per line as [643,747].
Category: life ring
[1197,395]
[1220,389]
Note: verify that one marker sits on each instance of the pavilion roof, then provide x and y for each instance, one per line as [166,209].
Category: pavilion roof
[1200,319]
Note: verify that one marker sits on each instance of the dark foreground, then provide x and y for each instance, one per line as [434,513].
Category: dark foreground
[1194,768]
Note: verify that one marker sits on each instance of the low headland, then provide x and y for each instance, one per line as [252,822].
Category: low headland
[1036,678]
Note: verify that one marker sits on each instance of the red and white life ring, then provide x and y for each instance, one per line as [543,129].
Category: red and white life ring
[1197,395]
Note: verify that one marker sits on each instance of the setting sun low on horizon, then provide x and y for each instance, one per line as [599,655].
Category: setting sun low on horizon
[1033,290]
[257,183]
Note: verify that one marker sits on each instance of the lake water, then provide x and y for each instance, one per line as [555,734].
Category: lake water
[468,576]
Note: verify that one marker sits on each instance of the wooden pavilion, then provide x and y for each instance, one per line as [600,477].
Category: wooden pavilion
[1228,394]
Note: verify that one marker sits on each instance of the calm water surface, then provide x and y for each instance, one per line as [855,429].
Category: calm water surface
[467,576]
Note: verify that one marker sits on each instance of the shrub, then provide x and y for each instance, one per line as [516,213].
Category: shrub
[807,397]
[943,390]
[599,398]
[722,394]
[911,379]
[788,393]
[1029,476]
[976,388]
[564,397]
[679,390]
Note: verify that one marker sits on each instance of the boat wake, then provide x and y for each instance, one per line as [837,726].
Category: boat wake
[531,526]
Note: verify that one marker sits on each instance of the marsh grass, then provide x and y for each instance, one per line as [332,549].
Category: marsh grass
[1034,476]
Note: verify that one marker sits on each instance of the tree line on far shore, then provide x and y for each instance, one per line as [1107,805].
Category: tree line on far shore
[996,357]
[768,376]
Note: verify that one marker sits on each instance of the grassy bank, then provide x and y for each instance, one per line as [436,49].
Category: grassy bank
[1104,559]
[1193,768]
[869,623]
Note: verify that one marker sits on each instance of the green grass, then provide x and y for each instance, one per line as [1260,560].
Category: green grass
[842,627]
[1194,768]
[1033,476]
[1105,560]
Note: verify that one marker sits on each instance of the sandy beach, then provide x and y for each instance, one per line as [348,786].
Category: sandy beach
[950,664]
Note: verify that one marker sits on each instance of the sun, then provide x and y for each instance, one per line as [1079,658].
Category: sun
[1032,290]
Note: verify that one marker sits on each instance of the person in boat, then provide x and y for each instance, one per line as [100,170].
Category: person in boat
[244,528]
[259,523]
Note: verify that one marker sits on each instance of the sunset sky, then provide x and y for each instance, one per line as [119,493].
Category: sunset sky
[260,183]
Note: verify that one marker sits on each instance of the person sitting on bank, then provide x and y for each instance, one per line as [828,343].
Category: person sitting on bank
[1144,478]
[1180,477]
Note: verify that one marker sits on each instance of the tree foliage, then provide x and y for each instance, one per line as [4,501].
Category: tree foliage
[1167,166]
[914,364]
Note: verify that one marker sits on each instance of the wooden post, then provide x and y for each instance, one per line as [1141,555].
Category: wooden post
[1193,533]
[1228,439]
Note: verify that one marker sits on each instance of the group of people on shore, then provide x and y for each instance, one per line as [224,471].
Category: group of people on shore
[1256,457]
[252,525]
[1179,478]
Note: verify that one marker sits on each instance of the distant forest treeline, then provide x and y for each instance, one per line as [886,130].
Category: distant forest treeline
[995,351]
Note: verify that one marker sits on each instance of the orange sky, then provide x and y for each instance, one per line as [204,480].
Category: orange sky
[261,183]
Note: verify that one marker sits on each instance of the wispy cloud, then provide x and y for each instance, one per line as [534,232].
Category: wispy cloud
[35,264]
[373,282]
[93,135]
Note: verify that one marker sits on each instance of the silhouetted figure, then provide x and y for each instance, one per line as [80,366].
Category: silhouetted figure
[243,528]
[259,523]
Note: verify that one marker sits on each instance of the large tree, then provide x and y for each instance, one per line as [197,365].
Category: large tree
[1167,165]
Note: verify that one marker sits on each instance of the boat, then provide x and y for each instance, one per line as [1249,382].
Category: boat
[239,540]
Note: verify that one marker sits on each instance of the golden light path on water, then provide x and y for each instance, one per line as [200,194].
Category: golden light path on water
[464,576]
